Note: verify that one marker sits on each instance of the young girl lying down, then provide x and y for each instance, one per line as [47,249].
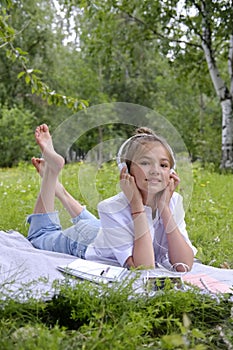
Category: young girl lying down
[141,226]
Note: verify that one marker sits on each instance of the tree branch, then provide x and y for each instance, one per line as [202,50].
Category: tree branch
[219,85]
[159,35]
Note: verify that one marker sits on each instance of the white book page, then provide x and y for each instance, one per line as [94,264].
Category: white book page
[96,269]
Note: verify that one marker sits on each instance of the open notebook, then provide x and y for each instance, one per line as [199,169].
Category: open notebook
[94,271]
[99,272]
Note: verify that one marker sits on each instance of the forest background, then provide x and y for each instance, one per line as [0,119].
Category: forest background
[58,57]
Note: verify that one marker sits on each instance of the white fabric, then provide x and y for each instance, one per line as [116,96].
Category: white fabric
[27,272]
[114,242]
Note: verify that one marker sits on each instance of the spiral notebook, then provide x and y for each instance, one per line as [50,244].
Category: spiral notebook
[94,271]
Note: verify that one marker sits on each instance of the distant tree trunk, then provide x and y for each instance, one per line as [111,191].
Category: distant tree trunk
[225,95]
[227,135]
[100,146]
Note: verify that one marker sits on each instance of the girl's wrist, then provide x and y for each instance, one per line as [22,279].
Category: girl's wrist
[136,205]
[164,209]
[138,212]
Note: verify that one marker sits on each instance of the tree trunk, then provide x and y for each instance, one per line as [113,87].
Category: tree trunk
[227,135]
[225,96]
[100,146]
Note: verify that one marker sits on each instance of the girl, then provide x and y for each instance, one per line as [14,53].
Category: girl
[141,226]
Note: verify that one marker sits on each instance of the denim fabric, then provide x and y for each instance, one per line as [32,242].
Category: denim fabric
[45,232]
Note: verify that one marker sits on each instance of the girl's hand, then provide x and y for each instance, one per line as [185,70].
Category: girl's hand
[175,179]
[130,189]
[167,193]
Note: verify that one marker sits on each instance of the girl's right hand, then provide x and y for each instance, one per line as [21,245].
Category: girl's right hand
[130,189]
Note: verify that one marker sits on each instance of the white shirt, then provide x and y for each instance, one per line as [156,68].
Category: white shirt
[114,242]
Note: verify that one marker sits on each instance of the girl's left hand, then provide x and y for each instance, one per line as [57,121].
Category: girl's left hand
[167,193]
[175,180]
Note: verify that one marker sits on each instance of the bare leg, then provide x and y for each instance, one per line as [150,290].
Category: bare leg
[72,205]
[54,164]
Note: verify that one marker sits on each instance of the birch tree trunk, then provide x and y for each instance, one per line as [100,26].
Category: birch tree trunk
[225,95]
[227,132]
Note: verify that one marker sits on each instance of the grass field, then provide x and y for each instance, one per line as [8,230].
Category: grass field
[209,214]
[81,318]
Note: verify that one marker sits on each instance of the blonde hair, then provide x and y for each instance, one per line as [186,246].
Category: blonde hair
[142,136]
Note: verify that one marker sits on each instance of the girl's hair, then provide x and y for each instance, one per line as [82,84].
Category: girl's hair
[142,136]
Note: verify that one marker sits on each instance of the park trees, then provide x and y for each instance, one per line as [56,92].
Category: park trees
[29,37]
[197,34]
[31,47]
[151,53]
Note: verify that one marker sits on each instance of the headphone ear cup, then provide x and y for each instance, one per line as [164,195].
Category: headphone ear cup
[122,165]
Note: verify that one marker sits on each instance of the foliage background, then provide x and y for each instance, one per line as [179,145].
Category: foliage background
[50,52]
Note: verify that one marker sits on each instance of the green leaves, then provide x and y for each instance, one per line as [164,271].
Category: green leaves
[32,77]
[87,316]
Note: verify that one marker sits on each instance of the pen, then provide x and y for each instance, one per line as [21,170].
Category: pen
[104,272]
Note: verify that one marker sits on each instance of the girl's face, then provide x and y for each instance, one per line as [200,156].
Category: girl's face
[151,168]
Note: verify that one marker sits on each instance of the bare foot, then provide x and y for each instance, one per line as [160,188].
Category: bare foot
[43,138]
[39,164]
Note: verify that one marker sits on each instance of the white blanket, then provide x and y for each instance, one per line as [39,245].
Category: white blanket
[28,272]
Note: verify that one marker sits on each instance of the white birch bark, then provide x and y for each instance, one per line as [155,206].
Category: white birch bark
[223,93]
[227,135]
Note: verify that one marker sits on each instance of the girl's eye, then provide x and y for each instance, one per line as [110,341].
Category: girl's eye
[164,165]
[144,163]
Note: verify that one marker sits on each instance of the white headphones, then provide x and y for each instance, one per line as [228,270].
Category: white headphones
[123,164]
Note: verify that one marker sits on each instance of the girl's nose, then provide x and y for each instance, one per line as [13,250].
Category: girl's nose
[154,169]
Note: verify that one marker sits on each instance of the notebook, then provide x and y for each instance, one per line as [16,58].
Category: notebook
[204,281]
[99,272]
[94,271]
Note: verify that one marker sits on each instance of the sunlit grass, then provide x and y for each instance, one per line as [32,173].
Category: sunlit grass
[208,217]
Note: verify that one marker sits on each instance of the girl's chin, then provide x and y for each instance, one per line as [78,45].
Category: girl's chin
[152,190]
[156,187]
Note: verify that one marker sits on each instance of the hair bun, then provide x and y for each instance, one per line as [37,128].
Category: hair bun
[144,130]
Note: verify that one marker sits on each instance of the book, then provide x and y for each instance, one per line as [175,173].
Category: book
[208,283]
[94,271]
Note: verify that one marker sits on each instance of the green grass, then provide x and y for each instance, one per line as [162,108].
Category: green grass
[208,217]
[82,317]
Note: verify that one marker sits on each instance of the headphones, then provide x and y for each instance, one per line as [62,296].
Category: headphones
[121,164]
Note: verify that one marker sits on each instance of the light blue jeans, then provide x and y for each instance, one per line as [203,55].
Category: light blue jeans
[45,232]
